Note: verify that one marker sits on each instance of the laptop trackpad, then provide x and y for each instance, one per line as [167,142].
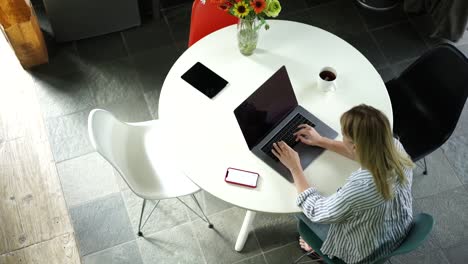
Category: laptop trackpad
[307,154]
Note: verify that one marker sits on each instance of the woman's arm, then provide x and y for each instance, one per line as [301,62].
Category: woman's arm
[332,209]
[290,159]
[299,180]
[309,136]
[335,208]
[335,146]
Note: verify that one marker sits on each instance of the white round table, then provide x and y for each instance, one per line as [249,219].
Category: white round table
[205,132]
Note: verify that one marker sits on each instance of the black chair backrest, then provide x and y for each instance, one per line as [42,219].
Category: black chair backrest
[439,79]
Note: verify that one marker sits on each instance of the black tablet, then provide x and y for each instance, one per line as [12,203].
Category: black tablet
[204,80]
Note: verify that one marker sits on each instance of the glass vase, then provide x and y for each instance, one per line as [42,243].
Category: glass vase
[247,35]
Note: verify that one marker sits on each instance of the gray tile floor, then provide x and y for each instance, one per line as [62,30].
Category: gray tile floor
[124,72]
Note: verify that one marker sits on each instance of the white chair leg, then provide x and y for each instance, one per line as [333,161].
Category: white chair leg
[210,225]
[424,166]
[140,226]
[141,217]
[205,218]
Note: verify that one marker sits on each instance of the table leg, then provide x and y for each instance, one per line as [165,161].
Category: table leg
[156,9]
[244,232]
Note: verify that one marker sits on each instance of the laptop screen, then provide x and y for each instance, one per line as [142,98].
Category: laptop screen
[266,107]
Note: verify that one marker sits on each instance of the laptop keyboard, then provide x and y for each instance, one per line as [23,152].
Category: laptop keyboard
[286,134]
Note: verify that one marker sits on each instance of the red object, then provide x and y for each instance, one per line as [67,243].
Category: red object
[250,173]
[207,18]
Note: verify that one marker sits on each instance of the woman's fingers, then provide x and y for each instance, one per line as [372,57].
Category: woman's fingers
[283,145]
[300,138]
[275,153]
[301,131]
[281,148]
[277,149]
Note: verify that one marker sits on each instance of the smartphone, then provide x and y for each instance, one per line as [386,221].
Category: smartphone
[204,80]
[241,177]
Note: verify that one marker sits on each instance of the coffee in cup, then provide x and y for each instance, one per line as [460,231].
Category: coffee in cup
[327,79]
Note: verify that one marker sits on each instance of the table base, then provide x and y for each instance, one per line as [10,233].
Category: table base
[244,231]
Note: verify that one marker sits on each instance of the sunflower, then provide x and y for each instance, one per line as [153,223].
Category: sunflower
[241,9]
[258,5]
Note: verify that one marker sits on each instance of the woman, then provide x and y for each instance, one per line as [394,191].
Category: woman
[372,213]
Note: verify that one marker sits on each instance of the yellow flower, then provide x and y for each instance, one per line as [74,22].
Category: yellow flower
[241,9]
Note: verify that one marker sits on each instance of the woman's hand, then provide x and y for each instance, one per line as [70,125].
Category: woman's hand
[308,135]
[287,156]
[290,159]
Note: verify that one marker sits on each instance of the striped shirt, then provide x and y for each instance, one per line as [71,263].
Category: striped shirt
[363,226]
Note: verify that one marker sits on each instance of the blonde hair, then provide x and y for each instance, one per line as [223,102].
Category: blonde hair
[370,131]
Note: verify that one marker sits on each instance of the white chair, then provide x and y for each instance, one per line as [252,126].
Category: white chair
[139,152]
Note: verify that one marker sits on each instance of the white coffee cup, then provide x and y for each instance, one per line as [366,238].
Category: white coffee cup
[327,79]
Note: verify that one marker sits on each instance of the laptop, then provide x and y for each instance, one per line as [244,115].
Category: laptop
[272,114]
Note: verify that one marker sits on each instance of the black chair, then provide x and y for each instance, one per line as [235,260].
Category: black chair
[427,100]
